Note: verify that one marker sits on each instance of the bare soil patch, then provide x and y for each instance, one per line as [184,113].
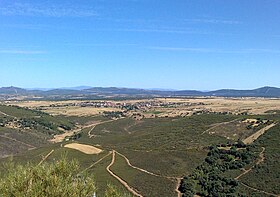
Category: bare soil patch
[87,149]
[256,135]
[61,137]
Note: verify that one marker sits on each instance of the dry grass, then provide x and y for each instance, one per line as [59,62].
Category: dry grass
[46,106]
[78,111]
[234,105]
[87,149]
[212,104]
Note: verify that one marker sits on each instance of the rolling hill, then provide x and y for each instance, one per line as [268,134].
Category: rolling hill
[133,92]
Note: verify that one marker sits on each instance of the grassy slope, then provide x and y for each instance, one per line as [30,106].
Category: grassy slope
[167,163]
[164,146]
[41,118]
[84,119]
[151,145]
[14,141]
[159,134]
[103,178]
[146,184]
[171,147]
[35,129]
[266,176]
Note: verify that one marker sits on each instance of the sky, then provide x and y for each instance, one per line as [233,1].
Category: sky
[169,44]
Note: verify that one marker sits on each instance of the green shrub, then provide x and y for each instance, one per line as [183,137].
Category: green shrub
[60,178]
[112,191]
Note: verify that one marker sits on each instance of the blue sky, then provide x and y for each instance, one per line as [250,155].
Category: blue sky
[178,44]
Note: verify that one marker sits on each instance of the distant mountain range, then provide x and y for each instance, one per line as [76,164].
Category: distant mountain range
[86,91]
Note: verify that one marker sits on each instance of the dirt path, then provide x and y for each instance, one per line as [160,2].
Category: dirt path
[89,132]
[177,187]
[218,124]
[94,125]
[260,160]
[6,114]
[44,158]
[261,156]
[60,137]
[256,135]
[97,161]
[29,145]
[178,180]
[142,170]
[119,179]
[270,194]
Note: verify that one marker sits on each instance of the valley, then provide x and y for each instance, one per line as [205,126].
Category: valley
[144,147]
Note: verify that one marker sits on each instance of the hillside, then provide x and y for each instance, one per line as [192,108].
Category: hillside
[13,91]
[260,92]
[130,149]
[23,129]
[114,92]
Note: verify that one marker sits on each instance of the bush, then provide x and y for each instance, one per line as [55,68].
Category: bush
[60,178]
[112,191]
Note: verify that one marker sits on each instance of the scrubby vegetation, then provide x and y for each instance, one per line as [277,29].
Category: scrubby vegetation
[112,191]
[113,114]
[207,179]
[73,137]
[273,112]
[170,146]
[160,134]
[22,129]
[269,169]
[146,184]
[61,178]
[24,118]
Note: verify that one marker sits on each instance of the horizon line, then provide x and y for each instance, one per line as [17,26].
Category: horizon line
[121,87]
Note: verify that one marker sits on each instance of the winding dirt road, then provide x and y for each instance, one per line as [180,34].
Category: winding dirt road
[268,193]
[260,160]
[256,135]
[143,170]
[94,125]
[218,124]
[130,189]
[60,137]
[178,180]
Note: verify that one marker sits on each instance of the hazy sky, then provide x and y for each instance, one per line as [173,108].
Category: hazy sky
[179,44]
